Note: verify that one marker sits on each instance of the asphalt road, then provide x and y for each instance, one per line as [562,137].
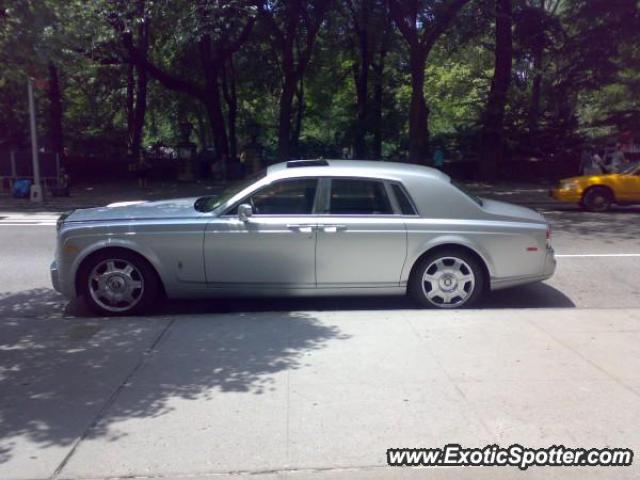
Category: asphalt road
[319,388]
[598,255]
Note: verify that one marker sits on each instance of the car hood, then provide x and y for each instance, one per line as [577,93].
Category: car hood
[512,211]
[139,210]
[589,178]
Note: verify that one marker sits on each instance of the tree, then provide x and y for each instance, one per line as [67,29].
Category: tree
[293,26]
[137,82]
[360,14]
[492,136]
[421,23]
[218,30]
[369,22]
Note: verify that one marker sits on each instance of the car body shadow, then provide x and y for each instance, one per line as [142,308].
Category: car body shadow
[46,303]
[538,295]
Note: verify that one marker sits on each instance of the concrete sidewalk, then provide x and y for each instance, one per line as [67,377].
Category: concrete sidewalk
[313,394]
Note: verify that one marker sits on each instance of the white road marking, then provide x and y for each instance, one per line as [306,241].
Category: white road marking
[15,219]
[30,224]
[588,255]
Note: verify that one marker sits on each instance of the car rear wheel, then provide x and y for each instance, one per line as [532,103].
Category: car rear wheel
[118,283]
[597,199]
[447,279]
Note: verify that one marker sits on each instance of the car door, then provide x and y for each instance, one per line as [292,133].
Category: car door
[275,247]
[361,235]
[628,188]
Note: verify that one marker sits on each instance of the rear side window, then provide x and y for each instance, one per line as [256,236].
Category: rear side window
[358,197]
[405,204]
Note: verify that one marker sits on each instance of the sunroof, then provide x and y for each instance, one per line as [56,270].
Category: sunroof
[307,163]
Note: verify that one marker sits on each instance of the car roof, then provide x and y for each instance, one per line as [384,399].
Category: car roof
[353,168]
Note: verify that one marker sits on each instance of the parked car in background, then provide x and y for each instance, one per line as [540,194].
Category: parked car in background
[597,193]
[307,227]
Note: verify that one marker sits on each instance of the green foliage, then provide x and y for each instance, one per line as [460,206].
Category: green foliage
[583,52]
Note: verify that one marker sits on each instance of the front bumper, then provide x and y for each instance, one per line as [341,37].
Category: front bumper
[566,195]
[55,277]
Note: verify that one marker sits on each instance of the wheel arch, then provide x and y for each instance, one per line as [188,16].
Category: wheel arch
[92,253]
[602,186]
[457,246]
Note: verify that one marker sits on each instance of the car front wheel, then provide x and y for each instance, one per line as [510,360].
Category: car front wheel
[118,283]
[597,199]
[447,279]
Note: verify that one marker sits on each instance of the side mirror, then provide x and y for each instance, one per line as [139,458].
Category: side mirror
[244,212]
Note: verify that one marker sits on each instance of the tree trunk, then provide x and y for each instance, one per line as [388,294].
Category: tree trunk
[131,87]
[140,107]
[492,140]
[378,91]
[284,117]
[297,128]
[418,111]
[140,111]
[536,91]
[362,85]
[216,117]
[211,98]
[231,98]
[56,132]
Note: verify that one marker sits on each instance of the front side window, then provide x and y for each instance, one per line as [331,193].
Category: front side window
[291,197]
[359,197]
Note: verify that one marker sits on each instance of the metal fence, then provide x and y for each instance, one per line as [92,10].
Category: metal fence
[18,164]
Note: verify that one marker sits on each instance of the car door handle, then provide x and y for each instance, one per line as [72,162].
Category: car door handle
[301,228]
[334,228]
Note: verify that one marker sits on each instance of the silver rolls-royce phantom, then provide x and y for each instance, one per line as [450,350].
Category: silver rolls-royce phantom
[305,227]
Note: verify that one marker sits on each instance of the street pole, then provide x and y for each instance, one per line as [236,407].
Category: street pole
[36,188]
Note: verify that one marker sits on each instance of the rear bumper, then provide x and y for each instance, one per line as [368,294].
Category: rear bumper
[548,270]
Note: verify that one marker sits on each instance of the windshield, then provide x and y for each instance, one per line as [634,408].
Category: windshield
[468,193]
[207,204]
[630,170]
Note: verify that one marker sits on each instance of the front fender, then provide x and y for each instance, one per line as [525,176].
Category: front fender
[86,250]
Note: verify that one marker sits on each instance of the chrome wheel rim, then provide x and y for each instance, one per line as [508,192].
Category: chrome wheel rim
[116,285]
[599,202]
[448,282]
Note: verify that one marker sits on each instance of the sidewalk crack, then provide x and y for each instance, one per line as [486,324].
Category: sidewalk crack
[113,397]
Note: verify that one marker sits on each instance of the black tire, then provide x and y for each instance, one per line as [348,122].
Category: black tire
[597,199]
[146,297]
[475,288]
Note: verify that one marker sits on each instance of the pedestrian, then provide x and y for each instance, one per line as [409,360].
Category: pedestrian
[618,160]
[141,169]
[586,162]
[597,164]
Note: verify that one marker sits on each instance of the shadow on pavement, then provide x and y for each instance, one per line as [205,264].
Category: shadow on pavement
[536,295]
[36,302]
[47,303]
[59,376]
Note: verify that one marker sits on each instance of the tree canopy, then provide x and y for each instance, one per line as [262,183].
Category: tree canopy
[485,80]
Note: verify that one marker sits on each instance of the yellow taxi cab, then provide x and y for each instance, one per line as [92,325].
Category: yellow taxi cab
[597,193]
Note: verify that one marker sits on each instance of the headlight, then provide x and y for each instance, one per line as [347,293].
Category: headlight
[568,185]
[62,218]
